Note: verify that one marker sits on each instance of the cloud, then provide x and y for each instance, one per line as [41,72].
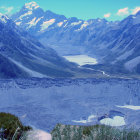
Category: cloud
[7,10]
[136,10]
[107,15]
[126,11]
[123,12]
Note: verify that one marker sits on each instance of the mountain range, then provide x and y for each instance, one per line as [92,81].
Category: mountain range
[114,43]
[21,55]
[65,35]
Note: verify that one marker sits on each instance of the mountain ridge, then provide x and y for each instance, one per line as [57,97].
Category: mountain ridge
[19,49]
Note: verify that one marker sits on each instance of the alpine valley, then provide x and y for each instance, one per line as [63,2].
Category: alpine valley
[55,69]
[114,44]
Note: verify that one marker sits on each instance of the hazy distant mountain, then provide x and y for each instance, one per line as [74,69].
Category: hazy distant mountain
[21,55]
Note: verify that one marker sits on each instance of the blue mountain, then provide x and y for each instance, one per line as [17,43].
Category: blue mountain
[21,55]
[116,44]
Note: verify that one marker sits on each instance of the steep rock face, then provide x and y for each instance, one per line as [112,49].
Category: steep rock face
[28,55]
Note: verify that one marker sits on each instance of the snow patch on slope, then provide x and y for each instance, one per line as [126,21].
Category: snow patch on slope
[34,21]
[130,107]
[76,23]
[84,25]
[59,24]
[18,23]
[46,24]
[90,119]
[26,14]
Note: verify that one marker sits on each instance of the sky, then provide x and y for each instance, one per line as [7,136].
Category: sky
[82,9]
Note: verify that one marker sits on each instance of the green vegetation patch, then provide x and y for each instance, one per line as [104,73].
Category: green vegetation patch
[11,127]
[96,132]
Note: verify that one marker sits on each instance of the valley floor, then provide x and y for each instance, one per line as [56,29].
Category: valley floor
[42,103]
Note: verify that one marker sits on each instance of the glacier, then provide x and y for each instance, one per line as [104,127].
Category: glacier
[116,121]
[130,107]
[81,59]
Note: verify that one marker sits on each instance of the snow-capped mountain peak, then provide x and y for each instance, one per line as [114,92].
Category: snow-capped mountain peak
[3,18]
[31,6]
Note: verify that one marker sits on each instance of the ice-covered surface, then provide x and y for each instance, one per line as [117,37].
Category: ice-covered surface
[42,103]
[34,21]
[84,25]
[115,121]
[46,24]
[130,107]
[90,119]
[81,59]
[18,23]
[76,23]
[59,24]
[26,14]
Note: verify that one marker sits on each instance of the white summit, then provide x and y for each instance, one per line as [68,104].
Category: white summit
[32,5]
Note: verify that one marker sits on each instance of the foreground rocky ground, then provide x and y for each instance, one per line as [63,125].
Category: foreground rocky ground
[115,102]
